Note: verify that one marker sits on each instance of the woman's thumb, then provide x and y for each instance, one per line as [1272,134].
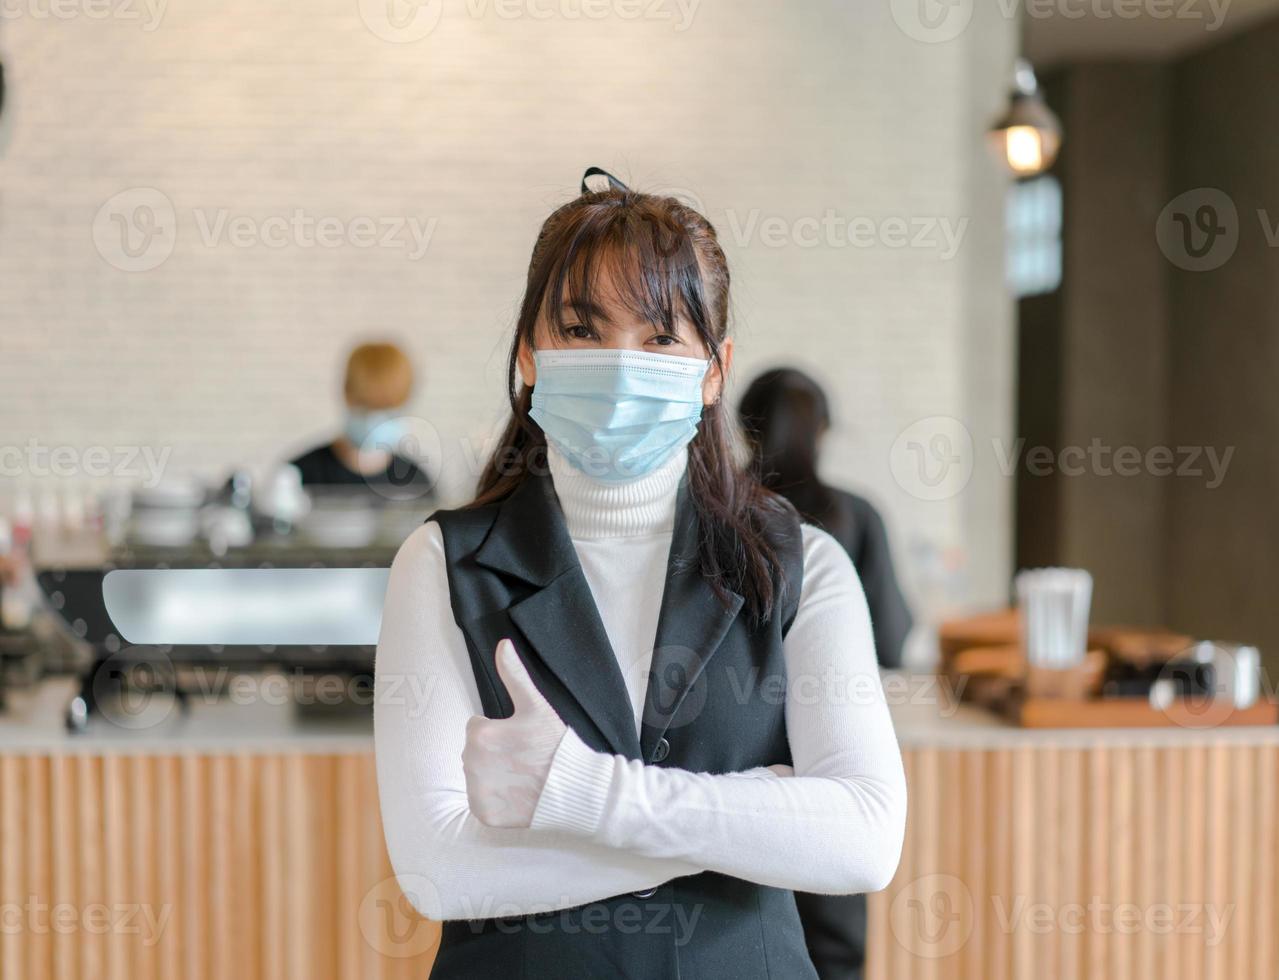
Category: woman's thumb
[514,675]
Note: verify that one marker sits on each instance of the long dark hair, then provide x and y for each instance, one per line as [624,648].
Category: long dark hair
[784,413]
[665,260]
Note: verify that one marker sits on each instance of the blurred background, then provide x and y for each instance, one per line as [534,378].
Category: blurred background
[1026,250]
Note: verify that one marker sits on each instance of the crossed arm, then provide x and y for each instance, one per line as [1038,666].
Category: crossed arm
[602,825]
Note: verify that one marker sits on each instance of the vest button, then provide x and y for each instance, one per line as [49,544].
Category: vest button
[646,893]
[661,750]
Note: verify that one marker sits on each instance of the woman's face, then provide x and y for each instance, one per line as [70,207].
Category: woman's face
[613,326]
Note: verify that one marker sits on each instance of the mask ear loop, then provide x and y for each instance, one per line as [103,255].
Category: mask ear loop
[613,183]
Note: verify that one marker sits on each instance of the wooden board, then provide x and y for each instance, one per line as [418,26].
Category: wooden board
[1135,644]
[1136,713]
[994,675]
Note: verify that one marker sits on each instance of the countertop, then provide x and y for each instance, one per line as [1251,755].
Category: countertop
[261,717]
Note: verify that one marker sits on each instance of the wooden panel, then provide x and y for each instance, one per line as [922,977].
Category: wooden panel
[256,866]
[203,867]
[1069,863]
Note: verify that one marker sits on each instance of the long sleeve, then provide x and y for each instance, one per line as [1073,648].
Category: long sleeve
[873,559]
[836,826]
[450,864]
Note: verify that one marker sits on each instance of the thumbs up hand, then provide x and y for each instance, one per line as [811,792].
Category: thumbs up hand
[506,760]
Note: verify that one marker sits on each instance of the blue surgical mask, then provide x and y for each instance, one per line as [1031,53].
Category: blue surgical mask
[617,415]
[383,427]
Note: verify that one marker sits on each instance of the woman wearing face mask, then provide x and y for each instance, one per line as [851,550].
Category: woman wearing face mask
[379,379]
[646,705]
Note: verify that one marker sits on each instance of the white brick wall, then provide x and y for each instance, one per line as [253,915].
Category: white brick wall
[257,109]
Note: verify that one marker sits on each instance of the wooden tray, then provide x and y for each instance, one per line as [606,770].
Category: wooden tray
[1136,644]
[1134,713]
[994,676]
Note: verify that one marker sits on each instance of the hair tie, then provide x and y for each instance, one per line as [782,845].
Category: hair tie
[613,182]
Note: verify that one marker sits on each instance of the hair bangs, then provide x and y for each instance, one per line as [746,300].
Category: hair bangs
[618,257]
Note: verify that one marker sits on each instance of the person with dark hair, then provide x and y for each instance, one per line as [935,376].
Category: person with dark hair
[784,414]
[627,760]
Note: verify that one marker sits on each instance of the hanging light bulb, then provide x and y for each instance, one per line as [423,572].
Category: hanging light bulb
[1028,135]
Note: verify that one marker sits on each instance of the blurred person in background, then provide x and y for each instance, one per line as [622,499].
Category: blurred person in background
[379,380]
[784,414]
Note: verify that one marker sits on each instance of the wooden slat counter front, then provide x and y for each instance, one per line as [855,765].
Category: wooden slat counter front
[235,844]
[240,843]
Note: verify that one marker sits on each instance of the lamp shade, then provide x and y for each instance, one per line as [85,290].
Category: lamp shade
[1028,135]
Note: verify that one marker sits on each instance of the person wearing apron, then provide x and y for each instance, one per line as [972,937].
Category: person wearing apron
[626,701]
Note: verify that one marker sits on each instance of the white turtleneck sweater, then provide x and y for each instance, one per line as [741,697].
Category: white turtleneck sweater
[605,825]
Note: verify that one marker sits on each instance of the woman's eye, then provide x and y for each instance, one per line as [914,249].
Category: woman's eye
[577,331]
[666,340]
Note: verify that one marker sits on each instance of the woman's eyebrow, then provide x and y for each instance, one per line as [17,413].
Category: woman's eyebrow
[587,309]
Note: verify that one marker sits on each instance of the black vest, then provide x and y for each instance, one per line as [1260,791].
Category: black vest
[715,703]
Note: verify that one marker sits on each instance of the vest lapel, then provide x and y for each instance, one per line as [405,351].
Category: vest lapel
[559,618]
[691,625]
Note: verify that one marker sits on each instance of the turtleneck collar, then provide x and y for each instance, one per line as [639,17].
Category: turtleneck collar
[617,510]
